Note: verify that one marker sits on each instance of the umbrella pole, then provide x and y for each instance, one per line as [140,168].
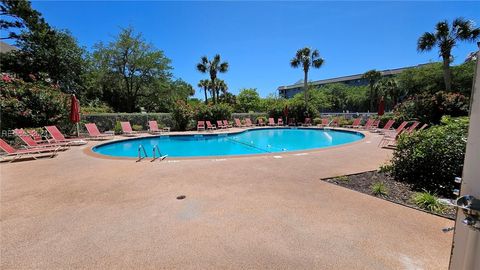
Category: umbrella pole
[78,130]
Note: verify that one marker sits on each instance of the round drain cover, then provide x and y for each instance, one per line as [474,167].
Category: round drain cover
[181,197]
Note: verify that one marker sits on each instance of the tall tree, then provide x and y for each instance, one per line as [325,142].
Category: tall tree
[20,16]
[205,85]
[445,38]
[307,58]
[130,68]
[221,86]
[389,87]
[372,76]
[248,100]
[212,67]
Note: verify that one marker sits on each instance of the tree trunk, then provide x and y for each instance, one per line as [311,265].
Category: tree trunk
[447,76]
[214,91]
[206,98]
[305,87]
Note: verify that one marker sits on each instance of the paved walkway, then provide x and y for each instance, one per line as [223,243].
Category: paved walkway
[78,211]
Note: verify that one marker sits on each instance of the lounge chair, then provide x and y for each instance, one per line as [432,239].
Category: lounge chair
[392,135]
[58,137]
[220,125]
[307,122]
[292,122]
[30,152]
[260,122]
[36,136]
[280,122]
[226,124]
[423,127]
[248,122]
[200,125]
[324,123]
[31,143]
[153,127]
[95,134]
[271,122]
[367,124]
[374,125]
[334,122]
[412,127]
[387,127]
[127,129]
[355,124]
[238,123]
[210,126]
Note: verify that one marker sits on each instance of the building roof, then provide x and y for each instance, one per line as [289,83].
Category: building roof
[4,47]
[347,78]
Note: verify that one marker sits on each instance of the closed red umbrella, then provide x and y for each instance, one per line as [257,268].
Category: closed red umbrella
[75,112]
[381,107]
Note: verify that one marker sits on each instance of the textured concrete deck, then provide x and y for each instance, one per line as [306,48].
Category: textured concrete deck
[78,211]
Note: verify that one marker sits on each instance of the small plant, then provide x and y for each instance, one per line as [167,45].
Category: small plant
[117,128]
[342,178]
[379,189]
[428,201]
[385,168]
[317,121]
[137,127]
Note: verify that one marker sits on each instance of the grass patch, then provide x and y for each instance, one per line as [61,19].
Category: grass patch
[342,178]
[379,189]
[429,202]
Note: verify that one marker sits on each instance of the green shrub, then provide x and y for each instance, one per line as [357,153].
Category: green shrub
[118,128]
[221,111]
[137,127]
[182,114]
[379,189]
[32,104]
[428,201]
[317,121]
[430,159]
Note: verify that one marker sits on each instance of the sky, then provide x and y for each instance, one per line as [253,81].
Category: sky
[258,39]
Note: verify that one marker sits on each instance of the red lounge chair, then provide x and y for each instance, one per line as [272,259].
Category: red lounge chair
[220,124]
[367,124]
[308,122]
[127,129]
[37,137]
[31,152]
[95,134]
[324,122]
[271,122]
[291,122]
[412,127]
[226,124]
[374,125]
[392,135]
[31,143]
[355,124]
[248,122]
[423,127]
[334,123]
[280,121]
[58,137]
[210,126]
[238,123]
[387,127]
[153,127]
[200,125]
[260,122]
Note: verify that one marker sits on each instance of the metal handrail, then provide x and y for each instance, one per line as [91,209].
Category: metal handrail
[140,148]
[156,149]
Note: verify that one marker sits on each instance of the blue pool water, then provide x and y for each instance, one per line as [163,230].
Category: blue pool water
[249,142]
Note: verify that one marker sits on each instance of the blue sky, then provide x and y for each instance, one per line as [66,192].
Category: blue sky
[258,39]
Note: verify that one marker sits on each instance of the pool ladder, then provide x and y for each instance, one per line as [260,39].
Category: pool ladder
[142,153]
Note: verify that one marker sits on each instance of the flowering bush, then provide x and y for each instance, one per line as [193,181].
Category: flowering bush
[31,104]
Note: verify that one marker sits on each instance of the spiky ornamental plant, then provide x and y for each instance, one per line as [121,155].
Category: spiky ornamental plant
[213,67]
[307,58]
[445,37]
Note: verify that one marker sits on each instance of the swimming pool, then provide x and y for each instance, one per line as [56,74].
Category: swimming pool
[248,142]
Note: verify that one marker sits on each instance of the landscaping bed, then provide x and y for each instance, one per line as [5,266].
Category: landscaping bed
[388,189]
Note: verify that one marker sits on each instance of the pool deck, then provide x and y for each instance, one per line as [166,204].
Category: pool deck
[256,212]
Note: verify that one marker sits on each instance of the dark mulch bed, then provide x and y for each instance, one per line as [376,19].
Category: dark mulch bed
[398,192]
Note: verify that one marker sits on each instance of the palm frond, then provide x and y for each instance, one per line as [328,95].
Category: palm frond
[223,67]
[317,63]
[295,62]
[315,54]
[465,30]
[426,42]
[201,67]
[442,30]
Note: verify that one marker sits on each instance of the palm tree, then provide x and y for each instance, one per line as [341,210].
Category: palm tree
[372,77]
[213,67]
[389,86]
[221,86]
[306,58]
[205,84]
[445,38]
